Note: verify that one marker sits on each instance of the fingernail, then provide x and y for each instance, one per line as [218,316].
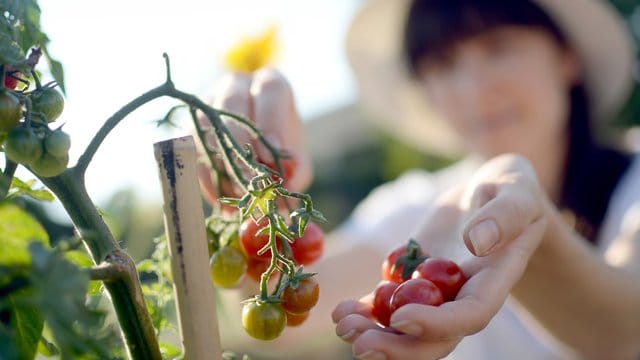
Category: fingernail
[483,236]
[348,335]
[372,355]
[408,327]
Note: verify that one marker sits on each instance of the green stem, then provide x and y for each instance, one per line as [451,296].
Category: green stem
[124,288]
[6,177]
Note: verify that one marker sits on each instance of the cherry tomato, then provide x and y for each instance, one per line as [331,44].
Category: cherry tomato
[444,273]
[57,143]
[255,268]
[23,146]
[11,78]
[302,298]
[263,320]
[49,102]
[251,242]
[382,301]
[308,248]
[10,110]
[49,165]
[228,265]
[296,319]
[416,291]
[409,256]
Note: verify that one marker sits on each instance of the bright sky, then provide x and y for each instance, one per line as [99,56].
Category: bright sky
[112,52]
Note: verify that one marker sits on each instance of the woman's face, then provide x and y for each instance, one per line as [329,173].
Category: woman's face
[505,90]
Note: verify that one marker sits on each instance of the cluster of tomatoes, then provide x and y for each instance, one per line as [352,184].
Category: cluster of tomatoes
[31,142]
[240,258]
[411,276]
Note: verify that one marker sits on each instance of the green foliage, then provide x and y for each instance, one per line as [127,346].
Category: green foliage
[17,230]
[51,290]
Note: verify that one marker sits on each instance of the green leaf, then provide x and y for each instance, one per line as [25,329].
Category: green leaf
[8,347]
[59,292]
[26,323]
[10,52]
[17,229]
[57,71]
[26,188]
[169,351]
[46,348]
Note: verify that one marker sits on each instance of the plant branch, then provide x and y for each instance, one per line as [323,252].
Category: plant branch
[6,177]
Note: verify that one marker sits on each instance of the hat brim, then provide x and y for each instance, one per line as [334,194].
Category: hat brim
[374,48]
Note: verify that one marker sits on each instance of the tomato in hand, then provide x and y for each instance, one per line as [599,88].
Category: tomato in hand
[402,261]
[263,320]
[416,291]
[296,319]
[444,273]
[10,110]
[251,242]
[23,146]
[302,298]
[308,248]
[382,301]
[228,266]
[48,102]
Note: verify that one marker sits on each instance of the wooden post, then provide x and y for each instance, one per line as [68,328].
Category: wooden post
[185,229]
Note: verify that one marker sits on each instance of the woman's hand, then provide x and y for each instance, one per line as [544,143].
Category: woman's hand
[264,97]
[501,217]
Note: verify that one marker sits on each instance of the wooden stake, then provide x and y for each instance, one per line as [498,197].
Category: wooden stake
[185,229]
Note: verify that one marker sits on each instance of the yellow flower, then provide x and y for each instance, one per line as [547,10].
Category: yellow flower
[252,53]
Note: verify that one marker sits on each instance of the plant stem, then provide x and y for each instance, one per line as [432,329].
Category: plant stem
[124,288]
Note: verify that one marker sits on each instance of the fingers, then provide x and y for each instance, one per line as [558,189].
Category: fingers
[504,210]
[276,116]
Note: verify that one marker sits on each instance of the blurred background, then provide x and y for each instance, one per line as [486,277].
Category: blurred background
[112,52]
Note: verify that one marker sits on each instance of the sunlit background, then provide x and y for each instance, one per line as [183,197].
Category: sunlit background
[112,52]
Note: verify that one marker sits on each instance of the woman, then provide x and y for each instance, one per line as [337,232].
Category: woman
[543,219]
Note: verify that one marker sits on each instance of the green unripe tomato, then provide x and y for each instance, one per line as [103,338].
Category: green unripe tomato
[57,143]
[49,165]
[10,110]
[228,266]
[23,146]
[263,320]
[49,102]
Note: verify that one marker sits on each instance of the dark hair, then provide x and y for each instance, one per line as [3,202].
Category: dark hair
[592,171]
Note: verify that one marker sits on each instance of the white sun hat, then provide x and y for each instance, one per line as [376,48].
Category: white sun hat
[393,100]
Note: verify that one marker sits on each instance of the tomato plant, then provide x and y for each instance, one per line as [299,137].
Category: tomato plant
[444,273]
[308,248]
[252,241]
[263,320]
[297,319]
[301,297]
[23,146]
[10,110]
[48,102]
[228,266]
[44,302]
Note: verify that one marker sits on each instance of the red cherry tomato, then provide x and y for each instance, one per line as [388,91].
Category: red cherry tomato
[302,298]
[296,319]
[308,248]
[416,291]
[382,301]
[388,271]
[251,242]
[444,273]
[255,268]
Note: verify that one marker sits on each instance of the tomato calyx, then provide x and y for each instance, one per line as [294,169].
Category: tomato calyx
[407,262]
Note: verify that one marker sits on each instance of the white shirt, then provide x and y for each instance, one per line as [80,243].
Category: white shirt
[389,215]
